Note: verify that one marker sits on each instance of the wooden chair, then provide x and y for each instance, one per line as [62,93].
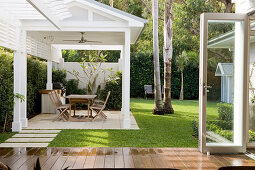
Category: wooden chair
[62,109]
[148,90]
[99,106]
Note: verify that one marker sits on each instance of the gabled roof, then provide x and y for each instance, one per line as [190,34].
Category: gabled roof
[109,8]
[224,69]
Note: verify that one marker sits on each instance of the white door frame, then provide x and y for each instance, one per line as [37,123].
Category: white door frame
[205,17]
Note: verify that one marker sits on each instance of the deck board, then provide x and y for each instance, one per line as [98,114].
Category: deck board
[77,158]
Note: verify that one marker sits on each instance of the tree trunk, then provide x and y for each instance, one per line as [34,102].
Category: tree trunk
[181,93]
[168,54]
[111,3]
[157,86]
[229,7]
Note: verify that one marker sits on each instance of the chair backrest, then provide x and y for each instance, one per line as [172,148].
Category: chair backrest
[53,99]
[148,88]
[106,100]
[57,97]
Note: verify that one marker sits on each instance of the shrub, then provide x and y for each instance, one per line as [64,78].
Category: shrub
[36,80]
[251,136]
[226,125]
[225,111]
[6,87]
[59,76]
[72,87]
[113,84]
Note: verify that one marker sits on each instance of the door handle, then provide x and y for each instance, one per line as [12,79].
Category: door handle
[205,88]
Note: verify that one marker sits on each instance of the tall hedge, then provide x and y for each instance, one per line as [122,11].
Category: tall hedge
[36,80]
[142,74]
[6,86]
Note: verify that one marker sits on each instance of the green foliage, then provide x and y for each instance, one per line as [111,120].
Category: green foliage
[78,55]
[59,76]
[6,86]
[36,80]
[225,125]
[225,111]
[251,136]
[113,84]
[72,87]
[142,74]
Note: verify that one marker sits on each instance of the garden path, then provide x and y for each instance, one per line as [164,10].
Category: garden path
[31,138]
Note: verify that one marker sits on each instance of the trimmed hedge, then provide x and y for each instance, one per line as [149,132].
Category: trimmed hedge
[225,111]
[114,84]
[6,87]
[142,73]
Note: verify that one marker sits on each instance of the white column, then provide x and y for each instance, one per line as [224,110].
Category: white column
[20,82]
[126,82]
[23,80]
[49,85]
[16,124]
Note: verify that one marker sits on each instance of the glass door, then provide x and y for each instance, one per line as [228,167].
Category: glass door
[223,83]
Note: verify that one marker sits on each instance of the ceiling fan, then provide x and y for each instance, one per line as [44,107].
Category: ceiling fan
[83,40]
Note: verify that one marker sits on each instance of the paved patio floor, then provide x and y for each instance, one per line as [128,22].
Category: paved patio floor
[114,121]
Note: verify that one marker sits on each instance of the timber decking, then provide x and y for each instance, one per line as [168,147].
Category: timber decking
[77,158]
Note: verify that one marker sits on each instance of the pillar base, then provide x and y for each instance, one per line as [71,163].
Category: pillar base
[126,123]
[16,126]
[24,122]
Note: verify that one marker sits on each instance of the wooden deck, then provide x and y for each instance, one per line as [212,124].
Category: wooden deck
[76,158]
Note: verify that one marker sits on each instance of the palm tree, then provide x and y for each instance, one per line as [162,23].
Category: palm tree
[181,61]
[168,54]
[157,86]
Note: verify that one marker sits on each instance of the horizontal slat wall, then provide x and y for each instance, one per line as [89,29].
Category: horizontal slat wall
[38,48]
[8,31]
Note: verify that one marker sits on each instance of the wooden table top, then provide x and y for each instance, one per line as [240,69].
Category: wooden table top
[76,96]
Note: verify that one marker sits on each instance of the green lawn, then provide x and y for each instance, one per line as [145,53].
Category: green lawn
[5,136]
[155,131]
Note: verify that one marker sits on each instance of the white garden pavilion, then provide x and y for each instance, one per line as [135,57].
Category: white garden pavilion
[38,27]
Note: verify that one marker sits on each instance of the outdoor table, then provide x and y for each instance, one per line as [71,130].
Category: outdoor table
[86,99]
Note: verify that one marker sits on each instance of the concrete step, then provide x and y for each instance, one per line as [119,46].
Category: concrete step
[13,145]
[29,140]
[40,131]
[34,136]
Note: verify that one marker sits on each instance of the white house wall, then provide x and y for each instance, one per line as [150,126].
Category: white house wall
[244,6]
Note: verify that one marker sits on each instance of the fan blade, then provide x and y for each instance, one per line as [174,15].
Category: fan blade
[71,40]
[95,41]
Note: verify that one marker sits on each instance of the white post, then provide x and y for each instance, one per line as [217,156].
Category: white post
[121,60]
[20,82]
[49,85]
[16,124]
[23,80]
[126,82]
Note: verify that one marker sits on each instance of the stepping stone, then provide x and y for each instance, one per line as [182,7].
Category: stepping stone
[32,140]
[34,136]
[40,131]
[27,145]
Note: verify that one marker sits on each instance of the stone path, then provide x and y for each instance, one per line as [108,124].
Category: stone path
[31,138]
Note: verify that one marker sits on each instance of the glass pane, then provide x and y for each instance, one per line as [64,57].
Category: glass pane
[224,75]
[252,90]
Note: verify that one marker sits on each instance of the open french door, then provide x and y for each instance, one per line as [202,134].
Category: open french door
[223,88]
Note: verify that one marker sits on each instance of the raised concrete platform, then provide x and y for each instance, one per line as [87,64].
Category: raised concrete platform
[115,120]
[40,131]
